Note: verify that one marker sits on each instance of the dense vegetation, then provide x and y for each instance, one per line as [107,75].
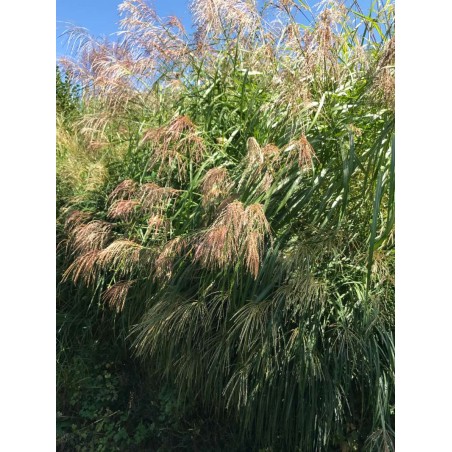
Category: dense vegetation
[225,229]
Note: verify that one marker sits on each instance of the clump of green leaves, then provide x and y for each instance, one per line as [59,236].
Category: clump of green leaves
[67,95]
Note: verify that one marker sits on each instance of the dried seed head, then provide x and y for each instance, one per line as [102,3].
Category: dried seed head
[286,3]
[75,218]
[271,151]
[165,261]
[174,21]
[253,251]
[123,209]
[116,295]
[178,126]
[216,184]
[195,148]
[125,190]
[388,57]
[175,145]
[211,15]
[158,224]
[153,196]
[355,130]
[83,268]
[293,35]
[306,152]
[153,135]
[90,236]
[266,182]
[168,160]
[255,219]
[97,174]
[97,145]
[121,255]
[236,234]
[384,83]
[255,156]
[216,247]
[232,217]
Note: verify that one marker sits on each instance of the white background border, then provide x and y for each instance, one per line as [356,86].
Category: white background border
[423,226]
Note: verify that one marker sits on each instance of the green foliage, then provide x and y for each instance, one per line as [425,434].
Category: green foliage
[66,95]
[106,402]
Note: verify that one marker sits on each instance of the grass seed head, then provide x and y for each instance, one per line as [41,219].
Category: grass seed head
[83,268]
[237,232]
[115,296]
[90,236]
[123,209]
[122,255]
[125,190]
[165,260]
[155,197]
[158,224]
[212,15]
[75,218]
[215,185]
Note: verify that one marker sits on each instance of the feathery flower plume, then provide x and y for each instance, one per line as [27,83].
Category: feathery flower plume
[157,224]
[293,37]
[116,295]
[162,40]
[174,145]
[261,157]
[106,69]
[384,83]
[167,161]
[266,182]
[91,236]
[83,268]
[254,155]
[181,135]
[178,126]
[272,161]
[153,196]
[214,15]
[165,261]
[216,184]
[75,218]
[255,220]
[153,135]
[254,162]
[271,152]
[286,3]
[97,173]
[121,255]
[97,145]
[253,252]
[216,247]
[123,209]
[260,164]
[237,232]
[305,152]
[124,190]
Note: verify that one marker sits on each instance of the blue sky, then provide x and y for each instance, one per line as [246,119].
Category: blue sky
[101,17]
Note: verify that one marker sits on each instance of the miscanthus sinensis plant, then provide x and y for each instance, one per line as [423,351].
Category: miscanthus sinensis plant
[229,194]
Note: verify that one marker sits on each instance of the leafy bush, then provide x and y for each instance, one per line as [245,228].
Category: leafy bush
[66,95]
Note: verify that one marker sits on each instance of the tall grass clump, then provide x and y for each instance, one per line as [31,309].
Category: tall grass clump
[226,213]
